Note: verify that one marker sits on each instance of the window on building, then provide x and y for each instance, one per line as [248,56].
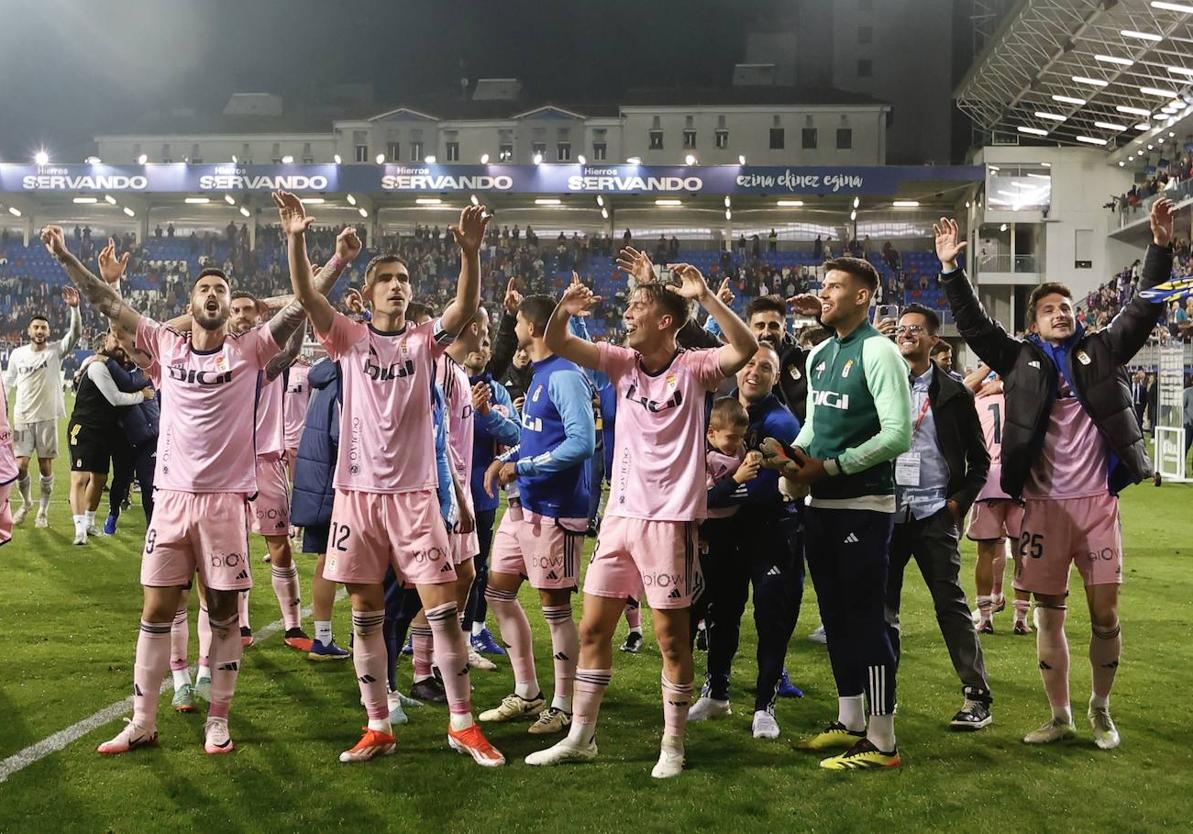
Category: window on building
[778,138]
[196,155]
[505,153]
[844,138]
[362,153]
[656,140]
[808,138]
[246,153]
[865,68]
[416,151]
[722,139]
[166,153]
[563,152]
[600,151]
[393,151]
[689,138]
[277,153]
[307,156]
[453,151]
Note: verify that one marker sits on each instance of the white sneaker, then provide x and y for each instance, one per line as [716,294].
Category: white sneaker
[476,660]
[397,713]
[818,636]
[706,708]
[93,531]
[80,535]
[764,725]
[564,751]
[670,763]
[1051,731]
[19,514]
[512,706]
[217,738]
[1105,733]
[129,738]
[42,520]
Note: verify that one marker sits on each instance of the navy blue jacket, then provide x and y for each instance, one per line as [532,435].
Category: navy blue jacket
[499,427]
[768,418]
[315,468]
[139,421]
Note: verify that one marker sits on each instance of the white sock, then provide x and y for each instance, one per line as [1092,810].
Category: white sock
[673,744]
[636,630]
[561,703]
[204,672]
[881,732]
[47,487]
[477,628]
[461,721]
[90,516]
[526,690]
[182,677]
[79,522]
[1064,713]
[1099,701]
[323,631]
[851,712]
[581,734]
[381,725]
[25,486]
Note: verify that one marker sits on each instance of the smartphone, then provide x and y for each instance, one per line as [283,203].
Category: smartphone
[887,311]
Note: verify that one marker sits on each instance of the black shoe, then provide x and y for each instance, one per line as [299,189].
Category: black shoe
[633,643]
[429,690]
[973,715]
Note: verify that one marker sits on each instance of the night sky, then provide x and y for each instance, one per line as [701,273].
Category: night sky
[70,69]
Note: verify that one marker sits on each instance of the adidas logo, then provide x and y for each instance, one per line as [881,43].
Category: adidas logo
[244,574]
[561,656]
[675,594]
[552,575]
[228,667]
[447,568]
[774,571]
[851,539]
[367,679]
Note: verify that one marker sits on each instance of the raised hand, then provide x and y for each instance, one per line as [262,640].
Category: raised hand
[748,470]
[54,240]
[354,301]
[636,264]
[805,304]
[482,398]
[513,298]
[691,283]
[887,327]
[291,213]
[1163,218]
[725,293]
[71,296]
[469,233]
[948,243]
[111,268]
[348,245]
[578,300]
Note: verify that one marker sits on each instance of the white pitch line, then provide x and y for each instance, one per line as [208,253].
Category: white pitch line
[52,744]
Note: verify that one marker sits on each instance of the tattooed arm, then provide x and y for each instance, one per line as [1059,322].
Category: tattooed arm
[288,354]
[99,294]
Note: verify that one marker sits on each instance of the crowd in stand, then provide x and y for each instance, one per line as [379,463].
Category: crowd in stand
[1167,174]
[1101,305]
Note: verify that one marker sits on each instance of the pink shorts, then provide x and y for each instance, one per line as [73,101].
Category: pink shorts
[5,513]
[998,518]
[371,531]
[205,532]
[1059,532]
[635,554]
[543,550]
[269,511]
[464,545]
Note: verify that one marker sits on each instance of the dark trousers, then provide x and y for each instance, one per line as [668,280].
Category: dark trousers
[847,555]
[933,543]
[401,607]
[128,462]
[745,551]
[476,608]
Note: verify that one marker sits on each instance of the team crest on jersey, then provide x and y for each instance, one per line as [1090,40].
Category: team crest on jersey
[221,363]
[794,372]
[537,391]
[848,367]
[1083,357]
[672,382]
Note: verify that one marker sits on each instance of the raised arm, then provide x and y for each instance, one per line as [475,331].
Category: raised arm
[1129,331]
[289,352]
[469,235]
[505,344]
[577,300]
[307,298]
[99,293]
[740,342]
[71,296]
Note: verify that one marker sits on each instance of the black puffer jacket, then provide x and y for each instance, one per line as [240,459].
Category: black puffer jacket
[1094,363]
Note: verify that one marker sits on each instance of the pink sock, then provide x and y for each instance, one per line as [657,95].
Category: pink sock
[421,642]
[633,614]
[1052,647]
[515,631]
[225,665]
[203,627]
[368,656]
[1021,607]
[285,586]
[590,689]
[180,637]
[153,658]
[565,650]
[985,604]
[1105,647]
[242,608]
[451,656]
[677,697]
[999,566]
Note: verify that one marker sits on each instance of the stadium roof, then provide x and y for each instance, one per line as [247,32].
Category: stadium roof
[1084,72]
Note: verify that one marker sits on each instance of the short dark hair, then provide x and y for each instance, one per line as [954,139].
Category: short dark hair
[941,346]
[212,270]
[728,413]
[1038,292]
[860,269]
[537,310]
[766,304]
[38,317]
[384,259]
[418,309]
[672,303]
[930,316]
[814,335]
[238,294]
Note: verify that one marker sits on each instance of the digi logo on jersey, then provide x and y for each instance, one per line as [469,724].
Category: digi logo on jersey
[831,399]
[181,373]
[674,401]
[388,373]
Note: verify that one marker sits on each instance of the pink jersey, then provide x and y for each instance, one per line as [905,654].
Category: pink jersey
[992,410]
[294,404]
[457,395]
[8,462]
[387,444]
[270,441]
[205,439]
[1075,459]
[717,467]
[658,465]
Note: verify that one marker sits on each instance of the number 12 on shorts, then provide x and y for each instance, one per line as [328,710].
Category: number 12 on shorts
[339,535]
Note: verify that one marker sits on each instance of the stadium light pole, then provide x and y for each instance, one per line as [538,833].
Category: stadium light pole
[41,158]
